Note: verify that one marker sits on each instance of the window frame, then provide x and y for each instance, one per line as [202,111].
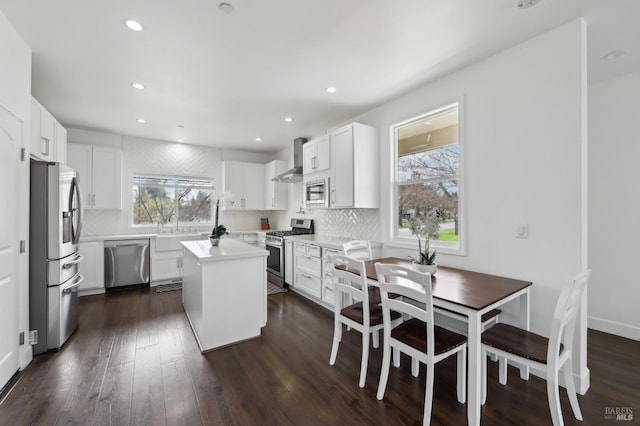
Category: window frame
[169,175]
[410,243]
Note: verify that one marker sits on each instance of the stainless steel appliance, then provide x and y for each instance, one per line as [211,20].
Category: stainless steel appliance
[295,174]
[55,221]
[316,193]
[274,243]
[126,262]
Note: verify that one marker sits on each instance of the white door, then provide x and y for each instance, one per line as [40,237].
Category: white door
[253,186]
[10,142]
[342,184]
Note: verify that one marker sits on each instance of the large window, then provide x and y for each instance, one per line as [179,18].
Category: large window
[427,178]
[160,199]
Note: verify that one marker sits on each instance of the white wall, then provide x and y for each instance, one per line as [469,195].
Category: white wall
[614,206]
[15,95]
[153,156]
[522,127]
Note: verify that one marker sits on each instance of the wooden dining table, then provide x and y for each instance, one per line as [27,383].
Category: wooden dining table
[471,294]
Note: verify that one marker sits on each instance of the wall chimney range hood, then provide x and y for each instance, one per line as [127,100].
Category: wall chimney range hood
[295,174]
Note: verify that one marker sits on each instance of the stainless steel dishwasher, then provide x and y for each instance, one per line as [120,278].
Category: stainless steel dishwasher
[126,262]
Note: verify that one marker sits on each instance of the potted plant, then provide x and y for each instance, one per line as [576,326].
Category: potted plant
[218,230]
[425,227]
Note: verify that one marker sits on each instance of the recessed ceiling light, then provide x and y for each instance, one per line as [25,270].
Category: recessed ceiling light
[613,55]
[179,140]
[138,86]
[427,123]
[288,119]
[258,139]
[225,7]
[133,25]
[141,120]
[331,90]
[523,4]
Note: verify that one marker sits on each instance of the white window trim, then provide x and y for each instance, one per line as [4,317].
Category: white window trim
[127,196]
[440,246]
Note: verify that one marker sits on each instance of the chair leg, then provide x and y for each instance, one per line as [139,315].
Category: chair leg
[396,357]
[376,339]
[461,387]
[415,367]
[384,372]
[365,358]
[337,336]
[428,395]
[571,389]
[502,367]
[553,395]
[483,372]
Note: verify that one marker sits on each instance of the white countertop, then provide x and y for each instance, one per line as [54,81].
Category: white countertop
[326,241]
[228,249]
[87,238]
[115,237]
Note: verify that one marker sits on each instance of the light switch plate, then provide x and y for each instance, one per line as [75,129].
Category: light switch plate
[522,230]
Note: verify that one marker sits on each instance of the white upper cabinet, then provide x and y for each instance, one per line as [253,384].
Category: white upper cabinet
[245,182]
[276,193]
[316,155]
[354,173]
[99,173]
[43,133]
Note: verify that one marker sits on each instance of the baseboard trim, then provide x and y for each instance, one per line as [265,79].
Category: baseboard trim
[612,327]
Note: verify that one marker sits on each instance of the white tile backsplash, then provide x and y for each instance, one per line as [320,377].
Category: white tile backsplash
[346,223]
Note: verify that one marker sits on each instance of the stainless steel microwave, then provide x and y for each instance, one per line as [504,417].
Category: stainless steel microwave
[316,193]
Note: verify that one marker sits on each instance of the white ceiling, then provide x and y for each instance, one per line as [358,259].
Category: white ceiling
[229,78]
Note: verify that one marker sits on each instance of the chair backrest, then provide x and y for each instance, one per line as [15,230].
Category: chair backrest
[358,249]
[412,286]
[565,315]
[350,278]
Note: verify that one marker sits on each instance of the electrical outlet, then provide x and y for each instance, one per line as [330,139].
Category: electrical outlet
[522,230]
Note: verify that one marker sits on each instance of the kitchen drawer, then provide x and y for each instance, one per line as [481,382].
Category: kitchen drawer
[300,248]
[313,250]
[327,290]
[309,264]
[309,284]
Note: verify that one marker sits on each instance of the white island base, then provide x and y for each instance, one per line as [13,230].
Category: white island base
[224,291]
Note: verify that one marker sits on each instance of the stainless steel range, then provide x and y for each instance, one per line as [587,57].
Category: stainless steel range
[274,243]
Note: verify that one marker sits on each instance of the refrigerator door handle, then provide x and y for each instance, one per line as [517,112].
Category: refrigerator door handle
[72,262]
[75,207]
[78,281]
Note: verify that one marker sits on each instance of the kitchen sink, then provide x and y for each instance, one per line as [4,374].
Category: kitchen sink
[171,242]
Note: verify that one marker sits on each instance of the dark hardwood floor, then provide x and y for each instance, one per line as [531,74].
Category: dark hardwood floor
[134,360]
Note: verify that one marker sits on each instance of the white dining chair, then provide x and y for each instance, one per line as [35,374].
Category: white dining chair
[358,249]
[548,355]
[417,337]
[362,316]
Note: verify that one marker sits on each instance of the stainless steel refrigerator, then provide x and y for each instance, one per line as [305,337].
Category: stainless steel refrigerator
[54,272]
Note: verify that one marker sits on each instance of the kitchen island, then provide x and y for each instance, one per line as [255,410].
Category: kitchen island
[224,291]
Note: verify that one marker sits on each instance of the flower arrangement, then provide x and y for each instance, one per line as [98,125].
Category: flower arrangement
[219,230]
[425,227]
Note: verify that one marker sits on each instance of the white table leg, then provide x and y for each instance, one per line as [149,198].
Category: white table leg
[475,369]
[524,324]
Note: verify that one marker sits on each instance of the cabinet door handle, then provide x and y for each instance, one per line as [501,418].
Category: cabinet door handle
[333,195]
[46,146]
[273,202]
[93,196]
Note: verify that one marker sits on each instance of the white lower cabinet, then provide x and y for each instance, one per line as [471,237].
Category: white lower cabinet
[166,266]
[167,257]
[92,266]
[288,262]
[308,275]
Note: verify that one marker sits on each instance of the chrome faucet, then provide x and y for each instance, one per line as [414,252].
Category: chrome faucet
[169,219]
